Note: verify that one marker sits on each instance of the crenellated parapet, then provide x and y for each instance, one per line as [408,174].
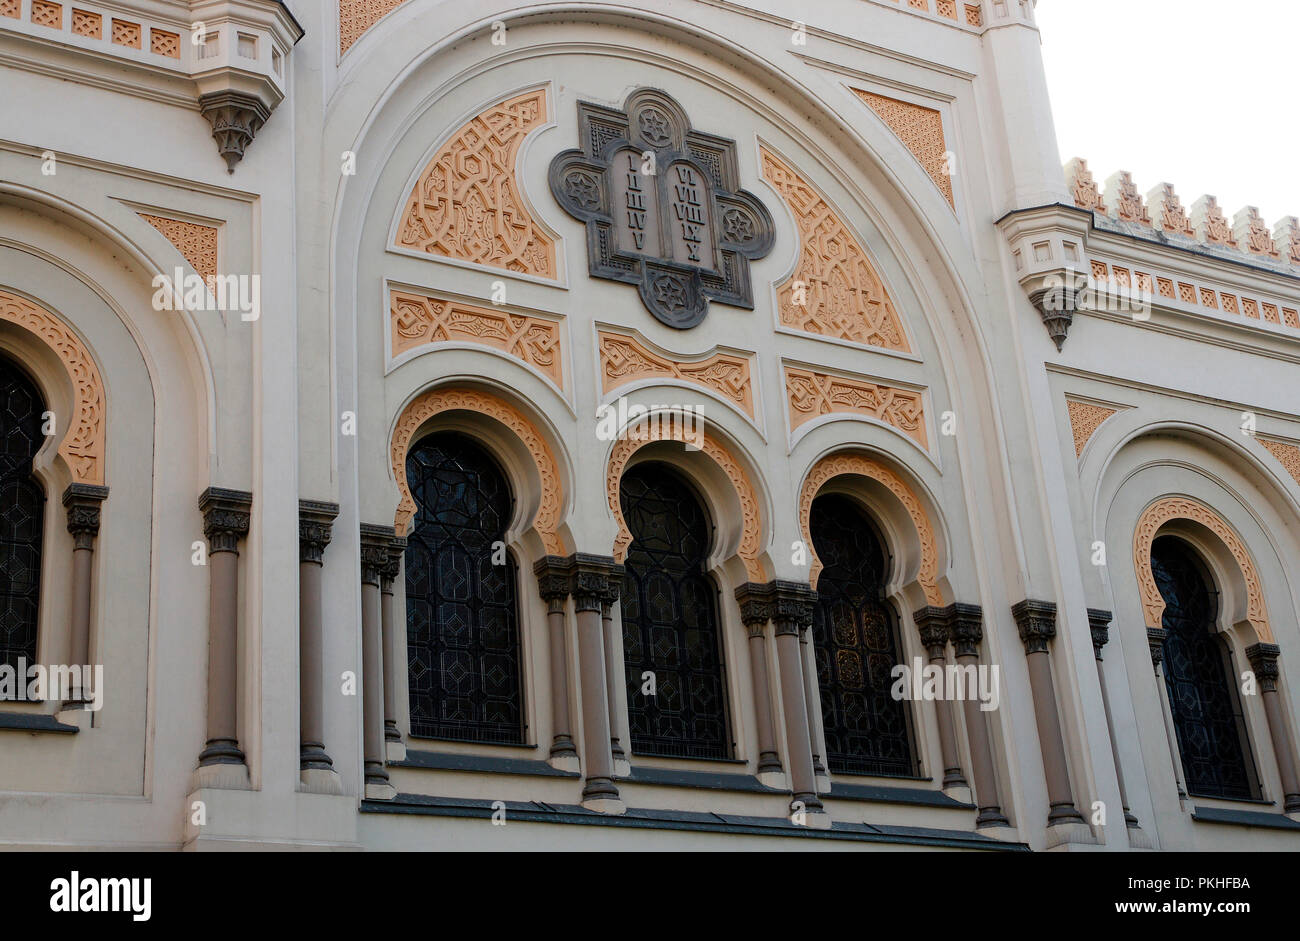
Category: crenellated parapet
[1244,237]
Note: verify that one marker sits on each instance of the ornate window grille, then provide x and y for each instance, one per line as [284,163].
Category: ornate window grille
[22,514]
[462,630]
[1208,720]
[855,640]
[670,620]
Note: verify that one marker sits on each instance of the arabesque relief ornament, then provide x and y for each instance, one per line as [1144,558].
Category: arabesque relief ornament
[663,207]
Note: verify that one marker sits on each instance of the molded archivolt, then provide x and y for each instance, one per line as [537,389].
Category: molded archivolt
[417,320]
[84,445]
[845,297]
[468,202]
[1173,508]
[921,131]
[669,427]
[624,360]
[837,465]
[812,394]
[357,16]
[435,401]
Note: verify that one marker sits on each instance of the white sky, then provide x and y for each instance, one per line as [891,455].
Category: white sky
[1198,93]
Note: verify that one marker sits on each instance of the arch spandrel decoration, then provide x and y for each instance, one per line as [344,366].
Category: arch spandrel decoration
[83,446]
[436,401]
[468,202]
[357,16]
[1174,508]
[846,299]
[671,428]
[837,465]
[624,360]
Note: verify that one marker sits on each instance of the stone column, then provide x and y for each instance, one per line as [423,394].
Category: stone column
[82,504]
[755,612]
[1099,624]
[1037,623]
[1263,660]
[394,747]
[932,625]
[553,580]
[613,666]
[1156,645]
[315,522]
[812,694]
[376,542]
[792,607]
[966,630]
[226,515]
[589,586]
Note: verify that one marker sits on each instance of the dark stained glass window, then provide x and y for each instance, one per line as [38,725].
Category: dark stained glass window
[855,639]
[22,512]
[462,632]
[670,620]
[1199,677]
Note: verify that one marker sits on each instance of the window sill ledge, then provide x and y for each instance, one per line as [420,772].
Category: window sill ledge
[34,722]
[446,761]
[1244,818]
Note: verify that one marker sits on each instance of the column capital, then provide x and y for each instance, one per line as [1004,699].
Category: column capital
[388,574]
[376,544]
[1099,624]
[1156,645]
[589,580]
[793,604]
[932,625]
[315,528]
[1263,660]
[965,628]
[226,515]
[1037,623]
[82,502]
[756,606]
[552,573]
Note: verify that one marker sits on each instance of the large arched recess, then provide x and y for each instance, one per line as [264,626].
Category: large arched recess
[89,262]
[398,96]
[1224,500]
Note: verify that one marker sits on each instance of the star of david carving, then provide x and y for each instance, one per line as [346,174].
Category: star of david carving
[663,207]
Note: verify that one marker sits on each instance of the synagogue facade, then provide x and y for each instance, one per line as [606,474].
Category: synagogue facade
[479,424]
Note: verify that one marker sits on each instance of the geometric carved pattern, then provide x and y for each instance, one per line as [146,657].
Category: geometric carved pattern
[1287,454]
[813,394]
[1173,508]
[836,465]
[1123,200]
[845,297]
[438,400]
[196,243]
[11,8]
[624,360]
[46,13]
[1170,214]
[1083,186]
[921,131]
[84,444]
[357,16]
[669,427]
[417,320]
[467,202]
[1085,419]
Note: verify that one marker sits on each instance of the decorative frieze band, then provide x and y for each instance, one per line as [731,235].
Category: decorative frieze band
[814,394]
[624,360]
[417,320]
[1197,294]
